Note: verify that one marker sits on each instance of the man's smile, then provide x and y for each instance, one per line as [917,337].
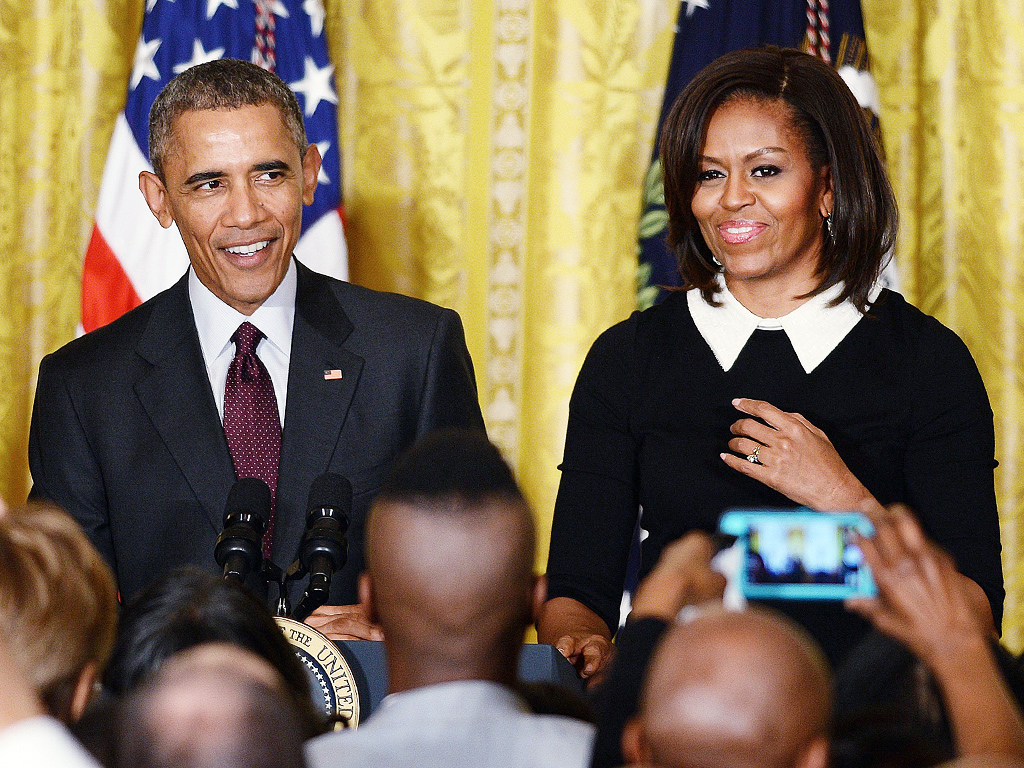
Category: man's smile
[248,250]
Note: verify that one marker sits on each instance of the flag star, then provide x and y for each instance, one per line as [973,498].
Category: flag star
[144,65]
[322,177]
[691,4]
[316,86]
[315,10]
[213,5]
[199,56]
[279,9]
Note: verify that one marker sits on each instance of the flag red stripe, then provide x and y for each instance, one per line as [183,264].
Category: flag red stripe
[107,293]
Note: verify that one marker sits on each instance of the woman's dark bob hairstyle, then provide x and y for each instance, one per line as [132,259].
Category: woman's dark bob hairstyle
[837,135]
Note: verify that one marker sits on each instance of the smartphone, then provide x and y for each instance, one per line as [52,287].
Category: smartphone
[800,554]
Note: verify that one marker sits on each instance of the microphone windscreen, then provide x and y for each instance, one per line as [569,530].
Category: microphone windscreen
[330,490]
[250,494]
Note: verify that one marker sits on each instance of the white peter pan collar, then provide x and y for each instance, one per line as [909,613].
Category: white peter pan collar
[814,328]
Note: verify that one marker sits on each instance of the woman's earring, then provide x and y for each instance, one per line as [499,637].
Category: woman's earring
[828,224]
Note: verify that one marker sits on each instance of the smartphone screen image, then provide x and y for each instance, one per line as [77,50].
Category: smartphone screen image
[800,554]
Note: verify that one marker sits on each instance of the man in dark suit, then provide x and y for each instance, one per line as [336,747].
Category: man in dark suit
[129,428]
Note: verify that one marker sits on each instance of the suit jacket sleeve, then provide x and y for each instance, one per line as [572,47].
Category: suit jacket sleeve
[63,465]
[450,395]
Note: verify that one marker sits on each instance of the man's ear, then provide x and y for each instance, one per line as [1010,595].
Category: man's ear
[634,746]
[156,197]
[83,690]
[310,172]
[540,596]
[366,596]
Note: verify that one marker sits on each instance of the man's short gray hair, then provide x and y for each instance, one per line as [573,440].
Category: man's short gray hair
[220,84]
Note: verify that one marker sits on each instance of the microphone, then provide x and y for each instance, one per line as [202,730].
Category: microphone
[240,545]
[324,548]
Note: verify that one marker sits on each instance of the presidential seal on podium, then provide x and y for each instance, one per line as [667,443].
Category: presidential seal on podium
[332,681]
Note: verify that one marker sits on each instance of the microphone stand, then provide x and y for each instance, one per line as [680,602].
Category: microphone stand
[271,573]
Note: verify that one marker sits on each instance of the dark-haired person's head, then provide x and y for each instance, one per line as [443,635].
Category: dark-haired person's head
[213,706]
[812,103]
[189,607]
[449,557]
[450,466]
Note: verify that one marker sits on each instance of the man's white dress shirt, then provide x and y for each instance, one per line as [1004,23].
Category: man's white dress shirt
[216,322]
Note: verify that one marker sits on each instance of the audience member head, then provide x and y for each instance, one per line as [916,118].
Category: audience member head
[733,690]
[887,710]
[219,84]
[825,115]
[189,607]
[449,554]
[213,706]
[58,605]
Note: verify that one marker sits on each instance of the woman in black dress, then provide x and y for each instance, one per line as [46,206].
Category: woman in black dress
[783,375]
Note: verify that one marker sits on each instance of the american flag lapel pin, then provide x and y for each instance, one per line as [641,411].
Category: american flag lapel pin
[332,374]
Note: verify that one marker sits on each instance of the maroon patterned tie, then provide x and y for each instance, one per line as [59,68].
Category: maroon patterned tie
[251,421]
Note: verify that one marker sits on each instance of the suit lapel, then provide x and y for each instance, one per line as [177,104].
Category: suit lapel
[317,402]
[176,395]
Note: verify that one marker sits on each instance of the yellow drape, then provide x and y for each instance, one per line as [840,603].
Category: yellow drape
[951,81]
[494,155]
[64,68]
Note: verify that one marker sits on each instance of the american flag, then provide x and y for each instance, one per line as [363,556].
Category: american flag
[130,258]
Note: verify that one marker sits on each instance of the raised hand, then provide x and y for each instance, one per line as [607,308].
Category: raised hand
[682,577]
[944,618]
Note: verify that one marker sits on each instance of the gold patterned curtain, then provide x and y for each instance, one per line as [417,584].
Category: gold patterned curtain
[64,68]
[951,79]
[495,151]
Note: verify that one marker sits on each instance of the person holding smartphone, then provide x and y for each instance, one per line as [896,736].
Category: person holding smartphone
[782,375]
